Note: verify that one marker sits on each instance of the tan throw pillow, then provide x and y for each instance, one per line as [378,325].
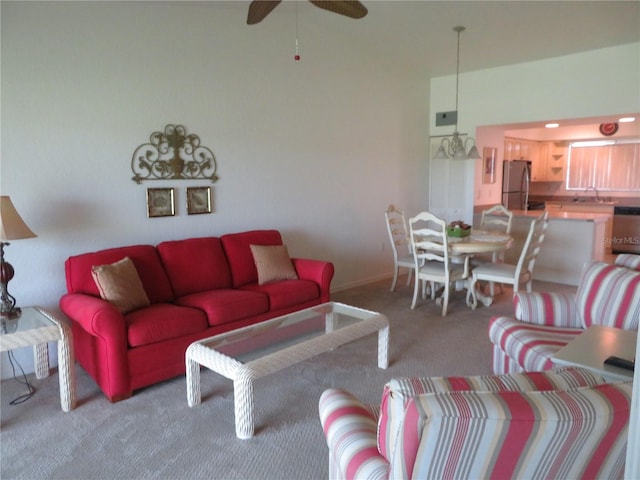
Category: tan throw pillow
[120,285]
[273,263]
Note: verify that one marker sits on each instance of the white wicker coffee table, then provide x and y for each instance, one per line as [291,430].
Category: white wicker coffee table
[35,327]
[249,353]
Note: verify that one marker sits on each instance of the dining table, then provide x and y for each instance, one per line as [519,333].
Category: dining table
[478,242]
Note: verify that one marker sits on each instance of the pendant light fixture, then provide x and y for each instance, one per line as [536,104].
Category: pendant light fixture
[455,147]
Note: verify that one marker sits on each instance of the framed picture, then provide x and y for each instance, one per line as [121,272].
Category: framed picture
[198,200]
[160,202]
[489,164]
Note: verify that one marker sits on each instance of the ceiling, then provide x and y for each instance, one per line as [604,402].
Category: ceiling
[419,34]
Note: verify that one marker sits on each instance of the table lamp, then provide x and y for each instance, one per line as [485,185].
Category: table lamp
[12,227]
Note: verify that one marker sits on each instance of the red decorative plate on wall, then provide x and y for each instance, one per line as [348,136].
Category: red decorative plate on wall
[608,129]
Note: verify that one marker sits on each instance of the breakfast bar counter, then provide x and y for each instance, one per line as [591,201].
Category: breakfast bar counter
[571,240]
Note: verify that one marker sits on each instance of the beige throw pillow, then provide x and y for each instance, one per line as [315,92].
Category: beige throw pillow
[120,285]
[273,263]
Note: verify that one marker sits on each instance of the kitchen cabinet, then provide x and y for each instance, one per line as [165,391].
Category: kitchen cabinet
[589,207]
[555,160]
[548,159]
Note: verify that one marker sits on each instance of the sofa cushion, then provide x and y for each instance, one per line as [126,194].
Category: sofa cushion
[163,321]
[120,284]
[609,295]
[226,305]
[144,257]
[579,433]
[238,251]
[530,346]
[195,265]
[273,263]
[287,293]
[398,391]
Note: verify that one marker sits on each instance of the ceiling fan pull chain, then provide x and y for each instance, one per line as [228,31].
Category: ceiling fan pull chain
[297,55]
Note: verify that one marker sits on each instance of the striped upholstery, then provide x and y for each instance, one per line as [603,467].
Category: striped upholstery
[350,429]
[545,322]
[552,309]
[560,424]
[398,391]
[529,346]
[628,260]
[572,434]
[609,295]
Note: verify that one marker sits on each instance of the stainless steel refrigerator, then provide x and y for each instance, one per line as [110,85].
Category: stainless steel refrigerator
[516,176]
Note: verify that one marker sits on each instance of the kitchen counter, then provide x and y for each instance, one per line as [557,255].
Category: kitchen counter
[557,215]
[571,240]
[579,202]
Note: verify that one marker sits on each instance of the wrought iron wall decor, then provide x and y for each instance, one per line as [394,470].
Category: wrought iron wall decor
[173,155]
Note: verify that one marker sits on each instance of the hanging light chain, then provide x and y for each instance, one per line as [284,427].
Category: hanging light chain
[297,55]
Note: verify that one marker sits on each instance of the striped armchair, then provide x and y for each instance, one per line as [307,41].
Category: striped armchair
[607,295]
[566,423]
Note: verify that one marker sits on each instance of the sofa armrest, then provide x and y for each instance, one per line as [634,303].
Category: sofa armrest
[95,316]
[100,342]
[350,430]
[317,271]
[549,309]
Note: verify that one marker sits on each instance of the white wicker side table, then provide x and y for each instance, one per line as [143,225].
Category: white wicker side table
[249,353]
[35,327]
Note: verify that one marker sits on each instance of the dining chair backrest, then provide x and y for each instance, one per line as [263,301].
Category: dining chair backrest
[532,245]
[429,239]
[496,218]
[398,234]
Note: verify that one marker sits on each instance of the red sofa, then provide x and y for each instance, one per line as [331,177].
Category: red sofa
[196,287]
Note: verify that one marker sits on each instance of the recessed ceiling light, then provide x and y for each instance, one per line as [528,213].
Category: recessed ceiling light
[627,119]
[552,125]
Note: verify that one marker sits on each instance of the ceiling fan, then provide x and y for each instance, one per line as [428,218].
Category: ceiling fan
[259,9]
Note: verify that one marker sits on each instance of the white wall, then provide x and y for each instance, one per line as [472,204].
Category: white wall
[317,149]
[599,82]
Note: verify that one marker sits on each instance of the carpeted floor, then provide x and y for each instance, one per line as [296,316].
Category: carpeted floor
[155,435]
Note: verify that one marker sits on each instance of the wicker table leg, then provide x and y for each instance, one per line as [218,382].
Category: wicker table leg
[66,370]
[243,404]
[194,395]
[41,359]
[383,347]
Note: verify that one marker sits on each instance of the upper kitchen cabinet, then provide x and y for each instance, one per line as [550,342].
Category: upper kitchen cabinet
[556,160]
[547,158]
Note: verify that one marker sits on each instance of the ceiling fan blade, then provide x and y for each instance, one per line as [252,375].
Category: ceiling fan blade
[352,9]
[258,9]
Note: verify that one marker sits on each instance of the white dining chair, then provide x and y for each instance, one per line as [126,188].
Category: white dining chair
[400,243]
[494,219]
[432,263]
[509,274]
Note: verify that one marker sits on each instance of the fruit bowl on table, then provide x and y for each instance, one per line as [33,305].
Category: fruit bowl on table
[458,229]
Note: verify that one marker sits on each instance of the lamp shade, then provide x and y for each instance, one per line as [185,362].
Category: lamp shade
[12,227]
[473,153]
[441,154]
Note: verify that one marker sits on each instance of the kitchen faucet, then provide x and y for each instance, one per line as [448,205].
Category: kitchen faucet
[595,190]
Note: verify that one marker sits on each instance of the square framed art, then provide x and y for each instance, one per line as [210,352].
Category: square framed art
[160,202]
[198,200]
